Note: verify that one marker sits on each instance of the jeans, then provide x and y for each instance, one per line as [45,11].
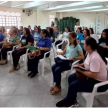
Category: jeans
[0,51]
[76,86]
[16,56]
[4,53]
[57,70]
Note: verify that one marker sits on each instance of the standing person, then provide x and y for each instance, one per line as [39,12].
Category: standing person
[37,35]
[8,46]
[103,41]
[51,34]
[44,45]
[76,26]
[34,30]
[52,24]
[26,40]
[2,39]
[29,27]
[93,35]
[95,64]
[72,52]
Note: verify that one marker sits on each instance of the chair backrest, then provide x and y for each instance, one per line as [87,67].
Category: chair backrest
[7,39]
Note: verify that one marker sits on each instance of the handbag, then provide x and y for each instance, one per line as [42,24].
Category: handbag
[80,76]
[61,62]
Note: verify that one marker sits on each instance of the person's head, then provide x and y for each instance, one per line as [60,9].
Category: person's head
[14,32]
[105,34]
[29,27]
[91,45]
[72,38]
[79,30]
[47,28]
[50,30]
[21,27]
[1,30]
[26,32]
[85,28]
[57,28]
[86,33]
[38,30]
[44,33]
[91,30]
[67,29]
[77,23]
[12,27]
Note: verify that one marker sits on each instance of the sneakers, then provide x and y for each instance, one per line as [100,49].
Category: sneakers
[34,75]
[64,103]
[75,104]
[30,74]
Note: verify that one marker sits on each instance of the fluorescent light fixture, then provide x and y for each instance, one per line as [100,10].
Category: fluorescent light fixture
[92,7]
[3,2]
[19,4]
[97,10]
[74,4]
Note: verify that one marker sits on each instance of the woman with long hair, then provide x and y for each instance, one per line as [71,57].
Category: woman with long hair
[26,40]
[72,52]
[93,35]
[51,34]
[95,65]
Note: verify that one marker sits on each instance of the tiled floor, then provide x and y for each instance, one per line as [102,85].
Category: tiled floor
[18,90]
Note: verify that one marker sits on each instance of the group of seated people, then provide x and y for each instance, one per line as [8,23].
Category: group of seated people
[81,46]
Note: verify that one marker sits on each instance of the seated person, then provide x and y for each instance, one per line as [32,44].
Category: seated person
[26,40]
[37,35]
[72,52]
[44,45]
[51,34]
[95,64]
[103,42]
[79,33]
[65,36]
[56,31]
[93,35]
[8,46]
[2,39]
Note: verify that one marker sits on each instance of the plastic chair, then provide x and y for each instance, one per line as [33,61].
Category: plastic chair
[42,61]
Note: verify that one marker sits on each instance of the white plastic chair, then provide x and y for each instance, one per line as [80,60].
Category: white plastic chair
[42,61]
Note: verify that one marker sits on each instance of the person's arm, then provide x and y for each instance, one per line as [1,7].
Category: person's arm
[29,44]
[44,48]
[16,43]
[4,41]
[62,53]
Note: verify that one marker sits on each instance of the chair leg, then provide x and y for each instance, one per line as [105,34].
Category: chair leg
[89,101]
[43,65]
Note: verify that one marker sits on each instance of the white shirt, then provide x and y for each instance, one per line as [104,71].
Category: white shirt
[76,26]
[65,35]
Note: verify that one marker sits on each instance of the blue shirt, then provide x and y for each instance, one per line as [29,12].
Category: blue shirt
[72,51]
[81,38]
[19,33]
[44,42]
[2,36]
[37,36]
[79,35]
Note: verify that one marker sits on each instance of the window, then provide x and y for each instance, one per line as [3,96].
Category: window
[51,18]
[8,19]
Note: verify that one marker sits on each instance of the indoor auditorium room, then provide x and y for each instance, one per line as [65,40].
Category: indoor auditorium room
[53,53]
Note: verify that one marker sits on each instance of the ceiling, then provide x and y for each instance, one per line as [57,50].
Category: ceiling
[59,6]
